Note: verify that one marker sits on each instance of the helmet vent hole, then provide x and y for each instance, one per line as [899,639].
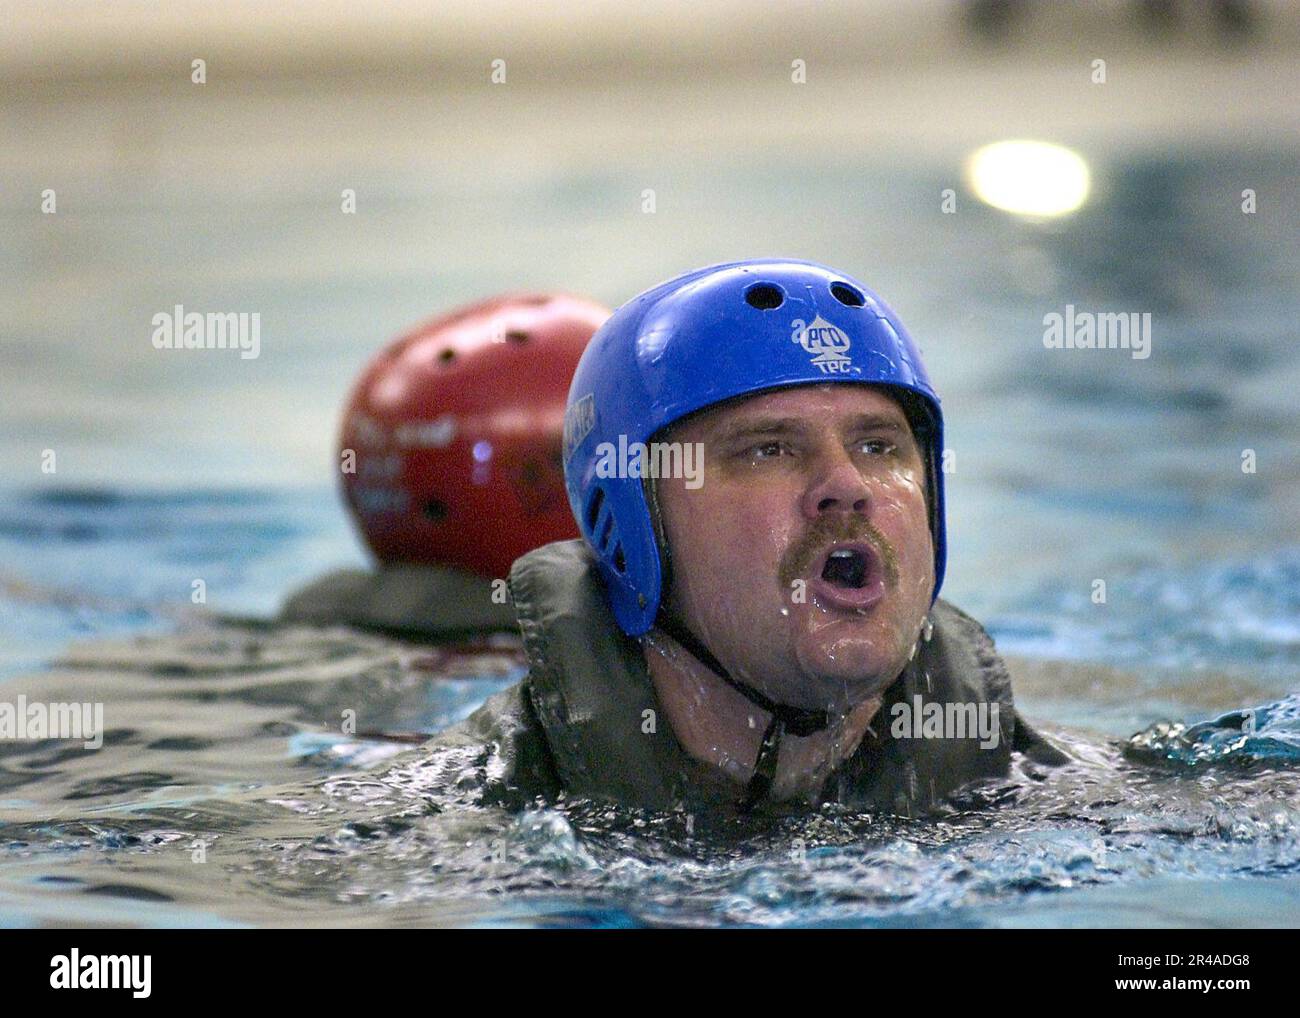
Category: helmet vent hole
[848,295]
[764,296]
[593,509]
[447,356]
[605,530]
[517,336]
[436,510]
[619,562]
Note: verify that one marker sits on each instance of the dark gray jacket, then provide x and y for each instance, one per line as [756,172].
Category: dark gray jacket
[578,722]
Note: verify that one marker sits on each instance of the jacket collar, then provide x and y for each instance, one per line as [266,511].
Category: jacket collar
[611,740]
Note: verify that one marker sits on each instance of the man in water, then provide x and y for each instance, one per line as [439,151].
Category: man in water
[751,619]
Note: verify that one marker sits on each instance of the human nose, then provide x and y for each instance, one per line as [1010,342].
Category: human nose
[837,486]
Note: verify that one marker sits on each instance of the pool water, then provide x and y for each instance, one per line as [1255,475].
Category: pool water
[225,791]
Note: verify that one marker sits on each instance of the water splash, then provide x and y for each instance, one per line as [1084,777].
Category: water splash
[1267,734]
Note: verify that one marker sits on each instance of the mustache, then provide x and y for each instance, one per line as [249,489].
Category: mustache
[803,554]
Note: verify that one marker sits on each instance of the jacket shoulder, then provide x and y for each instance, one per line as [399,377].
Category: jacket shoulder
[589,684]
[995,675]
[981,662]
[515,755]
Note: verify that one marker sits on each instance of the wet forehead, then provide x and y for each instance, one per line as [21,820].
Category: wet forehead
[834,406]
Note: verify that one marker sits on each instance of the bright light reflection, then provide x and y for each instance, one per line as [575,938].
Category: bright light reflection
[1030,178]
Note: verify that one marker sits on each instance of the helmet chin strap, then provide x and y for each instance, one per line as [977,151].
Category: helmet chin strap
[796,720]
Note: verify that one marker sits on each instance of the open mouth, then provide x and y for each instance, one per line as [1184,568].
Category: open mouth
[852,578]
[846,567]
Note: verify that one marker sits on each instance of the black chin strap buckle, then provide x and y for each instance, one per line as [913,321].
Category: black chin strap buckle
[769,751]
[796,720]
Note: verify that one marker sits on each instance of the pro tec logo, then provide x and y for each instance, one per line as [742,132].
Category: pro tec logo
[829,344]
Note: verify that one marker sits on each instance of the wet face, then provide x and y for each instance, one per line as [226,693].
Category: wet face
[804,559]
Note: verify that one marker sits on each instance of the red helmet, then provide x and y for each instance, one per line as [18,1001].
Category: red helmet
[455,433]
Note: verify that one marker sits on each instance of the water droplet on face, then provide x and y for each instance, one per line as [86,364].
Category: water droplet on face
[785,611]
[927,629]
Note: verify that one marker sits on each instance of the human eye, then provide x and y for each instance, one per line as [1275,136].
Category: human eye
[877,446]
[768,449]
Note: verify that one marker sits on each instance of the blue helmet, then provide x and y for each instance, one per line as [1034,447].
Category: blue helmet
[709,336]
